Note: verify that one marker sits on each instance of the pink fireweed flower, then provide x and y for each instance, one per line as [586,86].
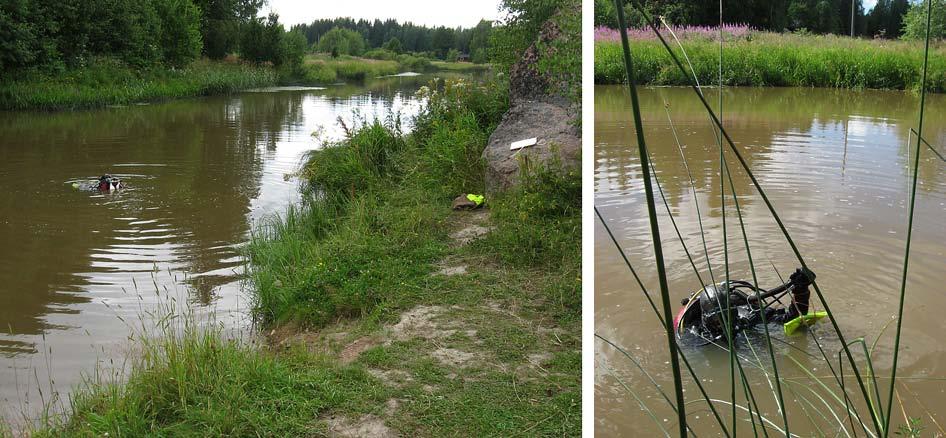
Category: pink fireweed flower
[683,32]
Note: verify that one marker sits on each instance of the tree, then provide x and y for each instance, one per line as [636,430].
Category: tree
[294,48]
[221,22]
[394,45]
[914,23]
[886,19]
[524,19]
[442,41]
[342,41]
[180,31]
[479,42]
[262,41]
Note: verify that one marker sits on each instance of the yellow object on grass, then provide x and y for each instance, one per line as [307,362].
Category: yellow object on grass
[803,320]
[478,199]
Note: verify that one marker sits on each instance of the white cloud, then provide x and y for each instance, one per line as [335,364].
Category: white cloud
[424,12]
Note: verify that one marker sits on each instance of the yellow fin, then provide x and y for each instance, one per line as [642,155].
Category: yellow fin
[803,320]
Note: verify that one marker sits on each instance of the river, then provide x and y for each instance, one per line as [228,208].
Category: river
[835,164]
[81,270]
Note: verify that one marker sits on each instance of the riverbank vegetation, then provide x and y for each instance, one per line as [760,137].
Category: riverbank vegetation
[792,43]
[770,59]
[107,82]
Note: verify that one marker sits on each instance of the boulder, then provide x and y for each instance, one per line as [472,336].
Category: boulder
[533,112]
[559,140]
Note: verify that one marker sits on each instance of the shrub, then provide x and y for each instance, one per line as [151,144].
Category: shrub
[347,167]
[341,41]
[452,55]
[414,63]
[393,45]
[382,54]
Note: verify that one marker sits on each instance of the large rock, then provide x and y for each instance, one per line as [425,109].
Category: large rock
[533,112]
[553,126]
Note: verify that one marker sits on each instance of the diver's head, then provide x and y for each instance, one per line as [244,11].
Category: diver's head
[109,183]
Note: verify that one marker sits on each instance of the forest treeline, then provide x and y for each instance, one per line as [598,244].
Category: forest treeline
[58,35]
[887,19]
[398,37]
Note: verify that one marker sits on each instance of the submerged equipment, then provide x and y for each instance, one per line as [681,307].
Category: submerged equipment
[738,305]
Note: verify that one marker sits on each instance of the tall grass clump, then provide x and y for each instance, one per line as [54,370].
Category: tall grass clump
[109,82]
[371,227]
[538,226]
[188,379]
[780,60]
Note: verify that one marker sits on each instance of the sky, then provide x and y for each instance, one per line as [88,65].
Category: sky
[464,13]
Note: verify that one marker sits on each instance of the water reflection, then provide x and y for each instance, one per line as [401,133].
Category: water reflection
[199,172]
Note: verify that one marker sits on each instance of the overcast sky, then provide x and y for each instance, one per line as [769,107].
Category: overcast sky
[465,13]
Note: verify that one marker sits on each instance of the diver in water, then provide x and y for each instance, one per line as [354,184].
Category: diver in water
[739,305]
[109,183]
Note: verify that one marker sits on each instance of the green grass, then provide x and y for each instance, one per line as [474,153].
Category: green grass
[105,82]
[363,249]
[195,383]
[770,59]
[323,69]
[459,66]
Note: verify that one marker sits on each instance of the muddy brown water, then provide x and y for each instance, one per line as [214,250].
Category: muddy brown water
[78,268]
[835,165]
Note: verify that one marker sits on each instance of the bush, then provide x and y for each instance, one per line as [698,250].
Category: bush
[318,73]
[381,54]
[341,41]
[452,55]
[393,45]
[414,63]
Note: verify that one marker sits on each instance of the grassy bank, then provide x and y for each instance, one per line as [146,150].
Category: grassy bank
[768,59]
[323,69]
[381,314]
[104,82]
